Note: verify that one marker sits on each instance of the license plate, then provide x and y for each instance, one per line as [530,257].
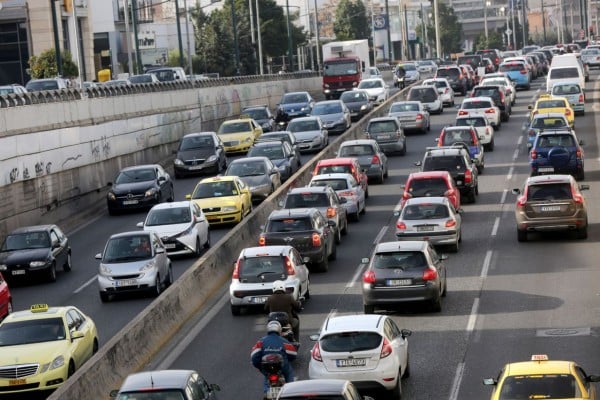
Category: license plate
[351,362]
[545,169]
[427,228]
[550,208]
[196,167]
[14,382]
[383,137]
[273,392]
[169,245]
[459,182]
[129,202]
[258,300]
[398,282]
[18,272]
[126,282]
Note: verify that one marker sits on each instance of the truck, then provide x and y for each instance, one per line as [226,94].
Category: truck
[343,65]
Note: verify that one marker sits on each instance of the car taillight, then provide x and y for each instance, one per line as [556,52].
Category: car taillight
[523,71]
[401,225]
[450,223]
[289,267]
[468,176]
[531,132]
[534,113]
[316,240]
[331,212]
[406,195]
[419,117]
[581,98]
[386,349]
[533,154]
[430,274]
[501,97]
[347,193]
[463,112]
[567,112]
[262,241]
[273,378]
[490,111]
[521,201]
[497,60]
[316,352]
[236,270]
[577,197]
[375,159]
[369,277]
[578,153]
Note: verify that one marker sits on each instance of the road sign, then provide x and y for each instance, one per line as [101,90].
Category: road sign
[581,34]
[508,31]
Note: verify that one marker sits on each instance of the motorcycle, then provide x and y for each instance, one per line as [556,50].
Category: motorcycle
[282,125]
[286,326]
[271,366]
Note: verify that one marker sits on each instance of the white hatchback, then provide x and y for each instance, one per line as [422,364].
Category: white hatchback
[369,350]
[347,187]
[483,106]
[376,88]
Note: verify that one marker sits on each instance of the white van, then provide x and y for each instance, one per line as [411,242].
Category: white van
[565,74]
[569,60]
[167,74]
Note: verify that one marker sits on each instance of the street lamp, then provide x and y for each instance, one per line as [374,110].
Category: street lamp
[485,7]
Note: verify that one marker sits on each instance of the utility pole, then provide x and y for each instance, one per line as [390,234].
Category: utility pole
[138,58]
[235,39]
[289,33]
[178,33]
[389,34]
[524,7]
[128,36]
[56,38]
[438,46]
[318,42]
[544,21]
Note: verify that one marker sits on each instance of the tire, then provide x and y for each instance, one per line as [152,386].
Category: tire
[307,294]
[95,346]
[104,297]
[455,247]
[368,309]
[445,289]
[356,215]
[235,310]
[338,236]
[403,152]
[406,373]
[396,392]
[333,254]
[480,169]
[198,249]
[52,273]
[490,146]
[323,266]
[207,243]
[380,178]
[71,369]
[345,230]
[157,289]
[172,197]
[471,198]
[169,280]
[68,264]
[9,307]
[582,233]
[521,236]
[436,304]
[580,176]
[111,211]
[367,193]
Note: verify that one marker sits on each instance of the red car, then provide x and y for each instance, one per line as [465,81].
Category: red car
[5,299]
[431,183]
[345,165]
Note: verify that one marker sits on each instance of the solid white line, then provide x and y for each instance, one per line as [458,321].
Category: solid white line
[486,263]
[380,234]
[88,283]
[460,368]
[398,206]
[520,140]
[356,275]
[503,198]
[495,227]
[516,154]
[473,316]
[510,173]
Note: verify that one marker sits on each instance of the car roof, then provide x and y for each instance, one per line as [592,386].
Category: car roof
[195,134]
[353,323]
[330,101]
[28,314]
[247,159]
[307,118]
[445,151]
[379,119]
[143,166]
[175,204]
[371,79]
[405,245]
[333,175]
[539,367]
[129,233]
[293,212]
[264,251]
[428,174]
[230,121]
[427,200]
[422,87]
[309,189]
[258,107]
[358,141]
[406,102]
[478,98]
[312,387]
[156,380]
[268,143]
[457,128]
[219,178]
[33,228]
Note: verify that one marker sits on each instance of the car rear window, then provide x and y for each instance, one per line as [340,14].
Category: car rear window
[555,103]
[476,121]
[475,104]
[335,184]
[561,73]
[458,135]
[471,60]
[446,163]
[425,95]
[271,152]
[306,200]
[381,127]
[289,225]
[489,92]
[555,140]
[350,341]
[260,266]
[451,72]
[310,396]
[562,90]
[170,394]
[405,260]
[404,107]
[511,67]
[333,169]
[427,187]
[549,191]
[356,150]
[555,386]
[424,211]
[549,123]
[303,126]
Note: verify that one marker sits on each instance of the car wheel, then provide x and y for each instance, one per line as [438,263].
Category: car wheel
[368,309]
[169,280]
[9,307]
[436,304]
[172,196]
[157,289]
[403,152]
[455,247]
[367,193]
[380,178]
[197,249]
[71,369]
[441,110]
[356,215]
[338,235]
[582,233]
[445,288]
[521,236]
[490,146]
[333,254]
[111,211]
[580,175]
[177,176]
[406,373]
[480,169]
[307,293]
[471,197]
[95,346]
[207,243]
[52,273]
[323,266]
[345,230]
[104,297]
[396,392]
[68,264]
[235,310]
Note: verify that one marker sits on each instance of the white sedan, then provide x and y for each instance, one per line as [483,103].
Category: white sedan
[499,78]
[376,88]
[181,225]
[483,106]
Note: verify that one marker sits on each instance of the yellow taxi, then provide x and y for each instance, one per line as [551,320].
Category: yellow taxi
[547,103]
[542,378]
[43,346]
[238,135]
[223,199]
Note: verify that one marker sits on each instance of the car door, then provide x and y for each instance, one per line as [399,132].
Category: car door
[398,342]
[301,270]
[244,193]
[162,261]
[382,157]
[219,149]
[59,248]
[82,348]
[162,178]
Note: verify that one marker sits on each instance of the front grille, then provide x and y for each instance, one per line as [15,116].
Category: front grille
[18,371]
[211,209]
[232,143]
[198,161]
[132,276]
[131,196]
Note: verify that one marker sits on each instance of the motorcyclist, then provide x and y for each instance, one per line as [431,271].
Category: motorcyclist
[273,343]
[281,118]
[282,301]
[400,73]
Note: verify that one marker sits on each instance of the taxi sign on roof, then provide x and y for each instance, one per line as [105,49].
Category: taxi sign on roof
[539,357]
[38,308]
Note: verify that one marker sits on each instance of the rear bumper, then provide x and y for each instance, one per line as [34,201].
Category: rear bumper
[395,295]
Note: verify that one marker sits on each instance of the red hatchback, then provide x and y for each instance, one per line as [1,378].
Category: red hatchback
[5,299]
[345,165]
[431,183]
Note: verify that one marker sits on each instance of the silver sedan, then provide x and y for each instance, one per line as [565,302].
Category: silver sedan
[411,114]
[258,173]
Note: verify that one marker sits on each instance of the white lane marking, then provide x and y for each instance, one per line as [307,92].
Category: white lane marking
[331,313]
[520,140]
[380,235]
[460,369]
[399,205]
[516,154]
[473,316]
[192,334]
[503,198]
[486,264]
[356,275]
[495,227]
[88,283]
[510,173]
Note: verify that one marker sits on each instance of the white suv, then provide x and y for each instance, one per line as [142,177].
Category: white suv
[483,106]
[369,350]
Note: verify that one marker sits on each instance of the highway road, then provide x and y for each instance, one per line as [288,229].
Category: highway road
[506,300]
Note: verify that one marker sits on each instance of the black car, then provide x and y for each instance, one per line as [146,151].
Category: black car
[199,153]
[457,161]
[357,102]
[139,187]
[285,136]
[307,230]
[281,155]
[35,251]
[454,76]
[498,95]
[262,115]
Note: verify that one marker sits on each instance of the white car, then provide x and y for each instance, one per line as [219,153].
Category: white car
[485,131]
[181,226]
[372,72]
[347,187]
[376,88]
[483,106]
[369,350]
[444,89]
[500,78]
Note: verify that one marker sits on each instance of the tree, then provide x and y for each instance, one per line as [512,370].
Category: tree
[351,21]
[44,65]
[494,41]
[450,30]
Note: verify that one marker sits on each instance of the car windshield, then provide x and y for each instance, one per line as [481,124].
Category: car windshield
[328,108]
[447,163]
[292,98]
[168,216]
[289,225]
[340,68]
[5,91]
[136,175]
[306,200]
[549,191]
[235,127]
[29,240]
[370,84]
[457,136]
[251,267]
[540,386]
[31,331]
[353,96]
[196,142]
[164,75]
[428,187]
[561,90]
[347,342]
[146,78]
[303,126]
[382,127]
[335,184]
[488,92]
[424,211]
[403,107]
[215,189]
[404,260]
[356,150]
[277,136]
[255,168]
[451,72]
[425,95]
[127,248]
[437,83]
[475,122]
[409,67]
[256,113]
[162,394]
[511,67]
[555,140]
[271,152]
[41,85]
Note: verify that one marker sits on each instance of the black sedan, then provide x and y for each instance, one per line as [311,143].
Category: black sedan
[35,251]
[357,102]
[199,153]
[281,155]
[139,187]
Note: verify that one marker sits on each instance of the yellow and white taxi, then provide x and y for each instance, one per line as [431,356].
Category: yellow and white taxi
[41,347]
[548,103]
[542,378]
[238,135]
[223,199]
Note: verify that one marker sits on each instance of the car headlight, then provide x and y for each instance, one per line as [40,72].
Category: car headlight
[317,139]
[150,192]
[38,264]
[363,107]
[149,265]
[229,208]
[212,158]
[105,270]
[188,231]
[258,187]
[305,109]
[111,196]
[281,167]
[248,139]
[3,267]
[57,362]
[177,161]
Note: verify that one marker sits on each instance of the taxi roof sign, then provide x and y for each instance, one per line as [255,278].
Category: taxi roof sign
[539,357]
[38,308]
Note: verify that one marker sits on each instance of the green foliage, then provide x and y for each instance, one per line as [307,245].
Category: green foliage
[351,21]
[173,59]
[451,32]
[44,65]
[494,41]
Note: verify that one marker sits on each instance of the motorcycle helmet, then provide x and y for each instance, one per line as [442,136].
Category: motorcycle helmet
[278,286]
[274,326]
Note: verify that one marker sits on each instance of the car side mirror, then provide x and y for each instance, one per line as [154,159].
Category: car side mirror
[364,260]
[140,224]
[214,387]
[188,196]
[481,137]
[159,250]
[437,140]
[113,393]
[516,191]
[98,256]
[489,381]
[332,224]
[443,256]
[584,187]
[418,163]
[405,333]
[530,107]
[280,203]
[161,179]
[592,378]
[581,142]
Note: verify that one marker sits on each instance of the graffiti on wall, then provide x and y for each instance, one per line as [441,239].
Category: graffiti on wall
[100,147]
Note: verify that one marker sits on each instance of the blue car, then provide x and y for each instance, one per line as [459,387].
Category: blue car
[557,152]
[518,73]
[296,104]
[543,123]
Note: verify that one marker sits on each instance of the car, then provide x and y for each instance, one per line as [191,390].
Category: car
[48,344]
[259,174]
[431,183]
[262,115]
[573,93]
[357,102]
[199,153]
[401,272]
[591,57]
[501,79]
[548,103]
[370,156]
[426,66]
[324,199]
[412,115]
[473,60]
[455,76]
[13,88]
[35,251]
[481,106]
[166,384]
[281,155]
[285,136]
[518,73]
[6,306]
[36,85]
[139,187]
[238,135]
[334,114]
[307,230]
[372,72]
[346,187]
[310,133]
[117,82]
[433,219]
[412,75]
[457,161]
[371,351]
[181,226]
[258,267]
[349,165]
[557,152]
[338,389]
[124,256]
[492,54]
[143,78]
[565,74]
[223,199]
[556,379]
[296,104]
[551,203]
[376,88]
[543,63]
[543,122]
[498,94]
[444,89]
[388,133]
[466,136]
[168,74]
[529,49]
[429,96]
[469,73]
[485,131]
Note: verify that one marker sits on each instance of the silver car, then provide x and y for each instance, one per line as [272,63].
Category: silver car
[412,115]
[133,262]
[444,89]
[388,133]
[258,173]
[370,156]
[310,133]
[427,95]
[334,114]
[346,187]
